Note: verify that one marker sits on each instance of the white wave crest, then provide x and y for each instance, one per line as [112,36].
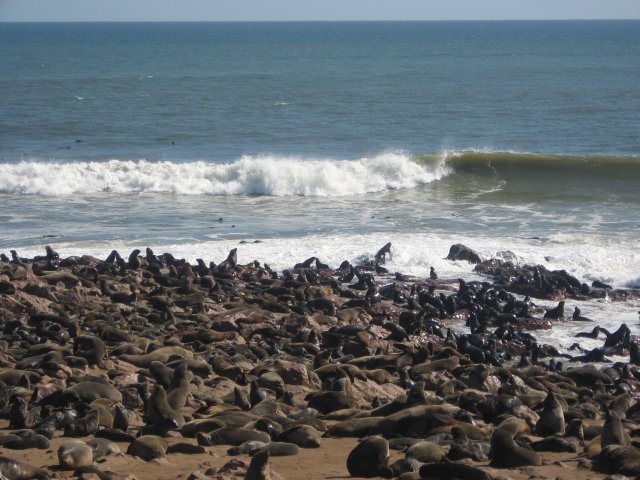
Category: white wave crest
[251,175]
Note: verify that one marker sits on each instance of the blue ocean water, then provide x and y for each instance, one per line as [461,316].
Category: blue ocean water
[338,90]
[287,140]
[331,137]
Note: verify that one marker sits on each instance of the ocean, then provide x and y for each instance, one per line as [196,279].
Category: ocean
[520,140]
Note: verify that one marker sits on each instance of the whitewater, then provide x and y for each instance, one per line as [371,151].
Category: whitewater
[517,139]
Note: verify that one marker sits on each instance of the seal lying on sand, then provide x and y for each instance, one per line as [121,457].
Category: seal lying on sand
[15,470]
[370,458]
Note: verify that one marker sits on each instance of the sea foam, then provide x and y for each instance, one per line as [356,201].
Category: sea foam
[250,175]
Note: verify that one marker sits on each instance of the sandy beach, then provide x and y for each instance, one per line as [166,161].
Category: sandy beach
[97,348]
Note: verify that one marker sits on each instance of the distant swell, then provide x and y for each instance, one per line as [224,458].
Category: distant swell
[515,163]
[251,175]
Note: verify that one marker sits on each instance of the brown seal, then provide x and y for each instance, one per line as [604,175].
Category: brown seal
[551,420]
[370,458]
[259,467]
[159,408]
[148,447]
[179,388]
[612,431]
[74,455]
[506,453]
[15,470]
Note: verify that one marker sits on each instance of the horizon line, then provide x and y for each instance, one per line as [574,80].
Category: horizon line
[337,21]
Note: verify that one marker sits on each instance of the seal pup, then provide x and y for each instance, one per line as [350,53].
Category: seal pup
[73,455]
[370,458]
[81,427]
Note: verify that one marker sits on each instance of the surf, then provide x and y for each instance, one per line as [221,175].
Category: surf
[264,175]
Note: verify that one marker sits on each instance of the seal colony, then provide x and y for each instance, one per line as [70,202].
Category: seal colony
[228,370]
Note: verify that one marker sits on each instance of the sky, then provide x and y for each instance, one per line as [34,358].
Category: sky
[285,10]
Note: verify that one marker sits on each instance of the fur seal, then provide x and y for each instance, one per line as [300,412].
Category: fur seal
[74,455]
[120,420]
[148,447]
[304,436]
[405,465]
[231,436]
[330,401]
[179,388]
[612,431]
[90,391]
[160,428]
[276,449]
[370,458]
[158,408]
[245,448]
[205,425]
[578,317]
[505,453]
[161,373]
[551,420]
[15,470]
[619,460]
[90,348]
[103,447]
[555,313]
[554,444]
[20,416]
[134,262]
[23,440]
[81,427]
[115,435]
[425,452]
[187,448]
[259,467]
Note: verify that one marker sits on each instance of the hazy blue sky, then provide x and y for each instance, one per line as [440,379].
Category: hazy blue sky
[211,10]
